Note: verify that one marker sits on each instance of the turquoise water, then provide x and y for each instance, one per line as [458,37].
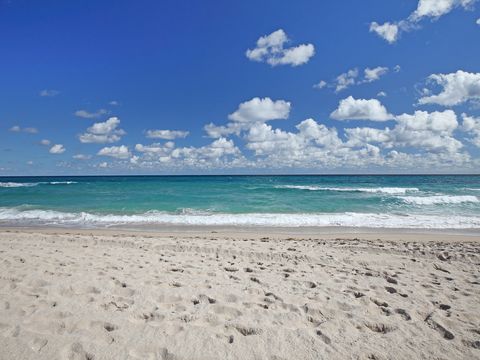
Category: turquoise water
[372,201]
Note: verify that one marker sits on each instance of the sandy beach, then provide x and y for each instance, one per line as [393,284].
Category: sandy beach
[81,294]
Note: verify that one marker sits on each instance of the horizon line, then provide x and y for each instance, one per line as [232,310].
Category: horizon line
[239,175]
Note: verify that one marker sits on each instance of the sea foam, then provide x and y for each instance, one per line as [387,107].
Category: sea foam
[440,199]
[384,190]
[349,219]
[16,184]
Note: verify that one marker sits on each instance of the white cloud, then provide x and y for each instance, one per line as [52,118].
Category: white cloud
[478,21]
[261,110]
[45,142]
[103,132]
[264,140]
[374,74]
[28,130]
[419,141]
[345,80]
[215,131]
[390,31]
[156,148]
[437,8]
[118,152]
[397,68]
[167,134]
[256,110]
[90,115]
[361,109]
[57,149]
[218,154]
[82,157]
[457,88]
[270,49]
[382,94]
[471,125]
[49,93]
[351,78]
[438,122]
[320,85]
[387,31]
[429,131]
[114,103]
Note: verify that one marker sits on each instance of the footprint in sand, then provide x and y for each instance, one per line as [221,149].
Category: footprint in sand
[154,354]
[404,314]
[380,328]
[37,344]
[76,351]
[446,334]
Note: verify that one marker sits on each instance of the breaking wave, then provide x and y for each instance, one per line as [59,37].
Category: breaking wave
[383,190]
[16,216]
[440,199]
[17,184]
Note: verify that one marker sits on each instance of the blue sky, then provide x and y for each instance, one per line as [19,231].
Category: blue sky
[97,80]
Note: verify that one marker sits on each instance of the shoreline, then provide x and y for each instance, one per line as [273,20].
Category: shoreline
[258,232]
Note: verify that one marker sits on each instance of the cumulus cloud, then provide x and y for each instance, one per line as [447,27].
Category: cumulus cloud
[478,21]
[345,80]
[270,49]
[387,31]
[457,88]
[352,77]
[103,132]
[471,125]
[220,153]
[156,148]
[434,9]
[118,152]
[261,110]
[82,157]
[320,85]
[374,74]
[57,149]
[438,8]
[49,93]
[28,130]
[90,115]
[256,110]
[361,109]
[429,131]
[166,134]
[422,140]
[45,142]
[264,140]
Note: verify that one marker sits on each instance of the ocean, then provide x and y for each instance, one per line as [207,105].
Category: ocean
[421,202]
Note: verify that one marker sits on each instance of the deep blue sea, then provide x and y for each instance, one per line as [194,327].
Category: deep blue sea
[435,202]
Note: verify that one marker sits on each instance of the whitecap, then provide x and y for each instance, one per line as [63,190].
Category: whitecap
[16,185]
[440,199]
[382,190]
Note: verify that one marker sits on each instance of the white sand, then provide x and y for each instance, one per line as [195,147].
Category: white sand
[103,295]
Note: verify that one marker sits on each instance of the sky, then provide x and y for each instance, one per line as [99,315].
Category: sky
[239,87]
